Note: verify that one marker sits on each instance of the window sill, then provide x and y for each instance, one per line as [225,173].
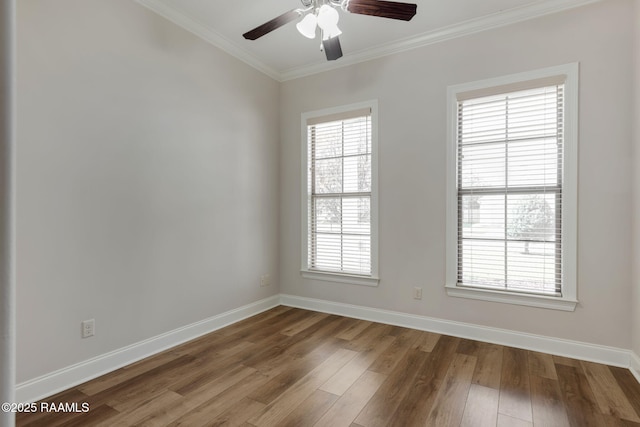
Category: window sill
[340,278]
[540,301]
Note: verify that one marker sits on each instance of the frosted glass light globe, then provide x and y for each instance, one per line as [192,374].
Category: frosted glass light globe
[328,17]
[307,27]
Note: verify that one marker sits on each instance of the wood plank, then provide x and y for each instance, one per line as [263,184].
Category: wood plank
[427,341]
[214,341]
[546,400]
[300,345]
[610,397]
[489,365]
[285,372]
[629,386]
[303,324]
[219,384]
[277,410]
[349,373]
[488,371]
[256,321]
[381,407]
[209,408]
[94,416]
[221,349]
[347,408]
[468,347]
[123,374]
[272,326]
[561,360]
[238,414]
[579,402]
[542,365]
[367,339]
[387,361]
[448,407]
[232,385]
[481,408]
[266,328]
[515,396]
[416,405]
[230,349]
[507,421]
[613,421]
[146,409]
[310,410]
[205,370]
[129,393]
[349,324]
[354,330]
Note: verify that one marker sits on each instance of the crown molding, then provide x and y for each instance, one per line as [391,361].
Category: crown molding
[206,33]
[472,26]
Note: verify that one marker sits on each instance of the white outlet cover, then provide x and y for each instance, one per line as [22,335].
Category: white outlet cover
[88,328]
[264,280]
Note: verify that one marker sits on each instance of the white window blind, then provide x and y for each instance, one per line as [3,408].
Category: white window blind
[510,190]
[339,156]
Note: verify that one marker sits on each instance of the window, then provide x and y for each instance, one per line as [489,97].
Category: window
[511,212]
[339,200]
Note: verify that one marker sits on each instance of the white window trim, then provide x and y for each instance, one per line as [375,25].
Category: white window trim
[568,300]
[368,280]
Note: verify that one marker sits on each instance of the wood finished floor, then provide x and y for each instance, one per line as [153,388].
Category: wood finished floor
[291,367]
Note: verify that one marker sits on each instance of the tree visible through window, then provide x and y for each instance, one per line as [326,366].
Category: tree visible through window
[531,220]
[512,181]
[510,150]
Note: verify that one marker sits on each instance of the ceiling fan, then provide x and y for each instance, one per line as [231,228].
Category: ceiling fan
[323,14]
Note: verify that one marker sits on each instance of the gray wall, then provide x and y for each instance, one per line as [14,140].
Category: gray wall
[411,89]
[147,180]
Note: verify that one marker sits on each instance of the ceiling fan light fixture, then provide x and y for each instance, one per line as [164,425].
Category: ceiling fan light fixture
[328,17]
[307,26]
[324,14]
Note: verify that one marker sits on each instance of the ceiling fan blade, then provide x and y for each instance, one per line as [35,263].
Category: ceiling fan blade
[274,24]
[332,48]
[384,9]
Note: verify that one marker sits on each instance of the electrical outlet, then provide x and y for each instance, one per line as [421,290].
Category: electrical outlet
[417,293]
[88,328]
[264,280]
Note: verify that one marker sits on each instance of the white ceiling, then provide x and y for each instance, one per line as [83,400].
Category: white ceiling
[285,54]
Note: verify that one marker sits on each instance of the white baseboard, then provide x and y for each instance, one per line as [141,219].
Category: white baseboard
[634,366]
[54,382]
[561,347]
